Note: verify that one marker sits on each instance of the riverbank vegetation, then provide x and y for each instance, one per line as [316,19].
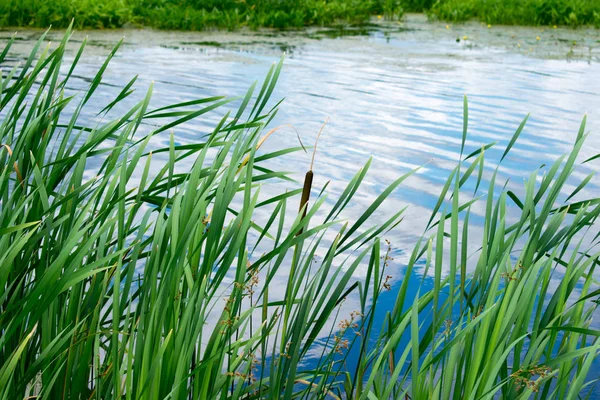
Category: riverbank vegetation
[187,14]
[234,14]
[572,13]
[136,272]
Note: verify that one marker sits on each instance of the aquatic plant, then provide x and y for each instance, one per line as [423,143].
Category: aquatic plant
[520,12]
[185,14]
[60,13]
[391,9]
[125,277]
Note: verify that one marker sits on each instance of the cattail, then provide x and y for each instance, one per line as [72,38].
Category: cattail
[308,179]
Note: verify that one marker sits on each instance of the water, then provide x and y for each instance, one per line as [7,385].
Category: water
[393,92]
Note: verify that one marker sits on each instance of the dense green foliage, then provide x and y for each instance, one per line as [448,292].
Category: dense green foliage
[521,12]
[125,275]
[191,14]
[60,13]
[233,14]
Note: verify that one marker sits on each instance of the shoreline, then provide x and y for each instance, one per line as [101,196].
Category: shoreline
[560,43]
[373,20]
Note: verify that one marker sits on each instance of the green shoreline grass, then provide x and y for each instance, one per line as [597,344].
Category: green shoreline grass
[282,14]
[140,281]
[572,13]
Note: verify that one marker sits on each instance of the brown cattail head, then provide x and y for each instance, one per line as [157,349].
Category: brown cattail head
[308,179]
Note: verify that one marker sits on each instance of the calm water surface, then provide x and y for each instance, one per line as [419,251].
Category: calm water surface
[392,92]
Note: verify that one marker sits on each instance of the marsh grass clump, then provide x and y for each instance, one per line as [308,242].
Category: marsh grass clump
[185,14]
[520,12]
[123,277]
[390,9]
[60,13]
[287,14]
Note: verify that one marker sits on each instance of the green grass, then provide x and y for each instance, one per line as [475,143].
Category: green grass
[235,14]
[192,14]
[124,274]
[520,12]
[60,13]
